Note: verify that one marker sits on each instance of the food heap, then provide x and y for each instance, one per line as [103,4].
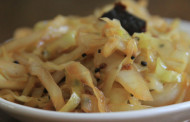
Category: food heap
[120,58]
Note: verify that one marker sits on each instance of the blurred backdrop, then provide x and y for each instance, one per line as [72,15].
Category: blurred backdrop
[19,13]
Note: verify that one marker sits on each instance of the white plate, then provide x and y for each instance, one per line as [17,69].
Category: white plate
[171,113]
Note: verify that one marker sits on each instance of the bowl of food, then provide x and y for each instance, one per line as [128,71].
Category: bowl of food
[118,64]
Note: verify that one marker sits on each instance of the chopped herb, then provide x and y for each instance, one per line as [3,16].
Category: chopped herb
[103,65]
[87,100]
[45,53]
[137,38]
[84,55]
[99,50]
[132,57]
[76,83]
[129,22]
[161,45]
[143,63]
[16,62]
[97,70]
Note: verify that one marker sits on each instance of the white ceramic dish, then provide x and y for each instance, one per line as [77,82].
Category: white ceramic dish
[172,113]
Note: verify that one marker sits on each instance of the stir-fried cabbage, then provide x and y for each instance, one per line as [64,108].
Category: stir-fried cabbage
[120,58]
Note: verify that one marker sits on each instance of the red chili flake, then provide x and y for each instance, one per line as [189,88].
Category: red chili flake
[103,65]
[126,67]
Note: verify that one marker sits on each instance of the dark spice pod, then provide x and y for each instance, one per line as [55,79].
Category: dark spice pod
[128,21]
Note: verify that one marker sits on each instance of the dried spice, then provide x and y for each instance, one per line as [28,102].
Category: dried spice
[129,22]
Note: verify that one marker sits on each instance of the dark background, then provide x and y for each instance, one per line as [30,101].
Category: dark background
[19,13]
